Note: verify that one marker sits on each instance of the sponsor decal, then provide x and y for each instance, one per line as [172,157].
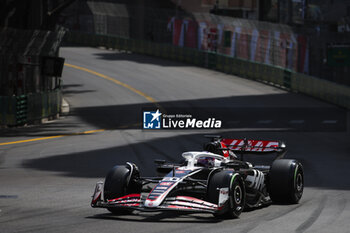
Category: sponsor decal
[158,187]
[166,183]
[223,196]
[251,145]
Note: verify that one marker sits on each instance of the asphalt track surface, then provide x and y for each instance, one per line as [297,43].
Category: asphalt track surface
[46,185]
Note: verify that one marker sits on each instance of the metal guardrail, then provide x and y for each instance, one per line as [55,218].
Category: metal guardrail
[19,110]
[319,88]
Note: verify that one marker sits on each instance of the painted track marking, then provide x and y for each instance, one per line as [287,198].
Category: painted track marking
[51,137]
[147,97]
[127,86]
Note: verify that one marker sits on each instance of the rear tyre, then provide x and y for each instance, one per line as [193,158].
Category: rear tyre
[234,206]
[119,183]
[286,181]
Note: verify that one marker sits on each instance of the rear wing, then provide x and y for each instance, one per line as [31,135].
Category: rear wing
[244,145]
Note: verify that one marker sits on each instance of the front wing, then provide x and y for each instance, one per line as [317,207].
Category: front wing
[178,203]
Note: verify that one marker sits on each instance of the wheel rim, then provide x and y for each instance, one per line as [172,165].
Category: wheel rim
[237,194]
[299,183]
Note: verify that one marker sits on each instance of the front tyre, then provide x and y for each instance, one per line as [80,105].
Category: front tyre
[119,182]
[286,181]
[234,206]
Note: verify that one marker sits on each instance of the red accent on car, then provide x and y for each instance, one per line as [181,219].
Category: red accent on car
[225,152]
[134,195]
[251,145]
[95,200]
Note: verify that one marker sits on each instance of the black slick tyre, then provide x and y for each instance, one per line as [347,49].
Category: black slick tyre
[286,181]
[119,183]
[234,206]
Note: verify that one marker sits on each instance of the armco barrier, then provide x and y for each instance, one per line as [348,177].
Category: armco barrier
[319,88]
[18,110]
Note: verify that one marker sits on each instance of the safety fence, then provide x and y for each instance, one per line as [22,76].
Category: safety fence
[30,72]
[27,60]
[311,50]
[322,89]
[30,108]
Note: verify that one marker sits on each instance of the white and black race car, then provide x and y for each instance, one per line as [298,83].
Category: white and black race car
[211,181]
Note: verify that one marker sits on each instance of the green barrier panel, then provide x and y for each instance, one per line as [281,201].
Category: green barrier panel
[256,70]
[59,100]
[21,109]
[191,57]
[212,60]
[133,46]
[34,107]
[322,89]
[11,108]
[119,43]
[8,110]
[241,68]
[94,40]
[104,40]
[272,74]
[234,66]
[128,44]
[250,71]
[49,104]
[42,105]
[116,43]
[264,73]
[139,45]
[111,42]
[196,58]
[280,76]
[287,78]
[144,47]
[202,58]
[188,55]
[219,63]
[44,99]
[259,71]
[226,65]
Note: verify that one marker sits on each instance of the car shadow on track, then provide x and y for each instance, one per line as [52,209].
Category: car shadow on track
[161,217]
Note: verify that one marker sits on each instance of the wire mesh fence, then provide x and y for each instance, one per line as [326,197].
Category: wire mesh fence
[297,49]
[29,90]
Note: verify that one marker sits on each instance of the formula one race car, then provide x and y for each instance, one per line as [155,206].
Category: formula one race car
[211,181]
